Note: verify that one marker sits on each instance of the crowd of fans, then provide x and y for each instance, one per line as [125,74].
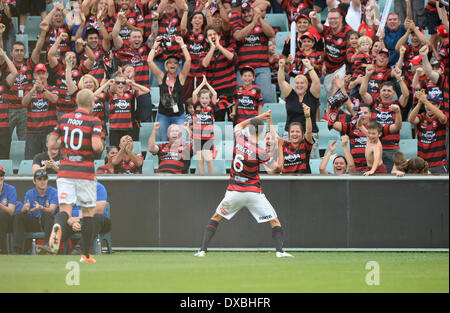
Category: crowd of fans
[216,60]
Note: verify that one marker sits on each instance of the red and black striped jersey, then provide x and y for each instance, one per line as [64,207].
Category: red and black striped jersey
[335,47]
[378,76]
[360,60]
[174,158]
[431,140]
[234,17]
[134,18]
[349,65]
[104,169]
[52,35]
[247,157]
[127,166]
[293,9]
[196,44]
[297,66]
[121,109]
[23,82]
[76,131]
[358,141]
[247,102]
[296,160]
[221,72]
[410,53]
[169,27]
[253,49]
[4,109]
[138,58]
[430,88]
[41,116]
[99,111]
[386,117]
[66,102]
[98,68]
[203,123]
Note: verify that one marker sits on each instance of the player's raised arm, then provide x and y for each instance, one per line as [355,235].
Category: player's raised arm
[243,124]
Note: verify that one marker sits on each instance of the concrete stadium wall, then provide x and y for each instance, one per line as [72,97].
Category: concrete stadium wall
[315,211]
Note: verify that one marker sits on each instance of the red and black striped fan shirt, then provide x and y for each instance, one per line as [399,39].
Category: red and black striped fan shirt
[22,84]
[76,131]
[335,48]
[358,142]
[296,160]
[247,102]
[203,123]
[386,117]
[253,49]
[41,113]
[121,109]
[174,158]
[4,110]
[431,140]
[137,58]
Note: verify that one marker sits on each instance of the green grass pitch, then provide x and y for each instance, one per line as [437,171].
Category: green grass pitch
[259,272]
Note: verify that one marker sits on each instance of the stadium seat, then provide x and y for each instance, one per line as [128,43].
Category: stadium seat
[102,237]
[148,167]
[218,165]
[144,134]
[273,89]
[154,158]
[408,147]
[137,147]
[8,166]
[32,27]
[326,135]
[14,135]
[24,39]
[314,164]
[278,112]
[155,95]
[280,39]
[339,150]
[277,20]
[32,235]
[17,153]
[98,163]
[15,21]
[406,131]
[26,167]
[228,146]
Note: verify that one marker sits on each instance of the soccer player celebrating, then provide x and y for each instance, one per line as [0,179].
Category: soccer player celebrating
[244,189]
[80,135]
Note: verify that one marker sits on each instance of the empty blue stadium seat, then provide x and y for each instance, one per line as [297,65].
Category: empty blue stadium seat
[32,27]
[17,153]
[148,167]
[277,20]
[8,166]
[408,147]
[314,164]
[26,167]
[326,135]
[406,131]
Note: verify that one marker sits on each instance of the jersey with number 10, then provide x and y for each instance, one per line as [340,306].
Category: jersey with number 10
[244,172]
[76,131]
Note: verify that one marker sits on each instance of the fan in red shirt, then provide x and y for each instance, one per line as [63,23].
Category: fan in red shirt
[80,134]
[126,161]
[244,188]
[430,131]
[248,100]
[175,155]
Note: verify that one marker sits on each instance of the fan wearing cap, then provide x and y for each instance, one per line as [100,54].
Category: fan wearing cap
[38,211]
[307,51]
[423,82]
[303,24]
[41,101]
[171,108]
[442,48]
[5,84]
[248,101]
[252,36]
[8,199]
[431,127]
[14,94]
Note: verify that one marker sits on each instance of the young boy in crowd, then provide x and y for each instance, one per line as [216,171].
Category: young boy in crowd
[374,150]
[248,101]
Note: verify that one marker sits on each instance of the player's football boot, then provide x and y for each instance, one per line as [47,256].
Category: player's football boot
[84,259]
[44,249]
[200,254]
[55,238]
[284,255]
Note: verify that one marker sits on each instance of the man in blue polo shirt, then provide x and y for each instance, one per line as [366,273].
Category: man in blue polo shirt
[102,222]
[38,211]
[8,199]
